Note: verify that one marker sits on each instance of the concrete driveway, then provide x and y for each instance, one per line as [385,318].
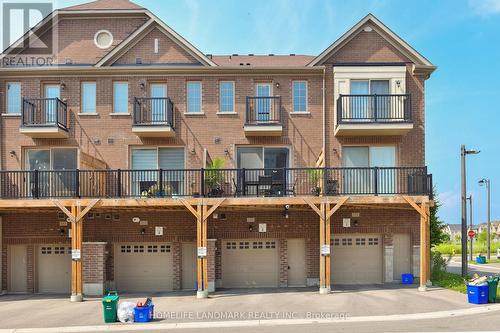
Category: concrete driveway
[27,311]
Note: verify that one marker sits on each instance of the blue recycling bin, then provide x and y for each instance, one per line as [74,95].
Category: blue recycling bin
[477,294]
[407,278]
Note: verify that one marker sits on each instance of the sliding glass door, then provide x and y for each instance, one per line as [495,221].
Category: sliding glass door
[146,165]
[360,176]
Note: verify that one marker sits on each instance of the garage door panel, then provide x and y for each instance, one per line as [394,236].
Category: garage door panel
[250,263]
[54,268]
[356,259]
[143,267]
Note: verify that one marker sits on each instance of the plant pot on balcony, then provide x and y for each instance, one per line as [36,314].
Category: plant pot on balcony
[316,191]
[215,192]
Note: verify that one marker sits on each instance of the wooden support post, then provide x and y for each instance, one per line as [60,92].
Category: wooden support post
[202,213]
[428,247]
[322,268]
[325,212]
[327,242]
[425,245]
[424,260]
[76,216]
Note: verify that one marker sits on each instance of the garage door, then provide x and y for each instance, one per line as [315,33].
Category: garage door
[54,268]
[356,259]
[250,263]
[143,267]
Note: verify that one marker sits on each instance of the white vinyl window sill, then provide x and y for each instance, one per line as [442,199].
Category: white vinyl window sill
[226,113]
[300,113]
[11,115]
[88,114]
[119,114]
[194,114]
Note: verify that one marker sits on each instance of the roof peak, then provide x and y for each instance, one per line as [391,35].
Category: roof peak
[105,5]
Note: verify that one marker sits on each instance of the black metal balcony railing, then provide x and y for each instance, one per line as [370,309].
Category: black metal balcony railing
[44,112]
[153,111]
[263,110]
[214,182]
[374,108]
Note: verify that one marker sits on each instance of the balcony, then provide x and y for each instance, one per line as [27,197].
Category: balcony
[263,116]
[359,115]
[44,118]
[283,182]
[153,117]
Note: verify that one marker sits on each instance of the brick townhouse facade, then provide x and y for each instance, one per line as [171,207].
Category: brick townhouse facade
[136,162]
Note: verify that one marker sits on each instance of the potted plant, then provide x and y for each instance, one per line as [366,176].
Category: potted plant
[155,191]
[213,178]
[315,176]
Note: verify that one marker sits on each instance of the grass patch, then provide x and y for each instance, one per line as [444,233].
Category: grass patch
[455,249]
[453,282]
[449,281]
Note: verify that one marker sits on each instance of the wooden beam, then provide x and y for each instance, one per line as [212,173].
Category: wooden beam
[204,242]
[198,244]
[212,209]
[336,207]
[415,206]
[423,251]
[321,243]
[327,241]
[64,210]
[91,205]
[428,248]
[313,206]
[73,246]
[190,208]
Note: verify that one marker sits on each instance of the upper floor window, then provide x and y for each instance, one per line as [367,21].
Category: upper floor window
[299,96]
[13,97]
[88,97]
[120,97]
[193,97]
[226,96]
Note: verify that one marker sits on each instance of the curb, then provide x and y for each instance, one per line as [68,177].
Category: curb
[257,323]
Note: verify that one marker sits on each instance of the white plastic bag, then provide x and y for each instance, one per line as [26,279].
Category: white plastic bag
[125,312]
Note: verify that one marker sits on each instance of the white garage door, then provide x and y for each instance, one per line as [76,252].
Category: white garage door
[250,263]
[356,259]
[143,267]
[54,268]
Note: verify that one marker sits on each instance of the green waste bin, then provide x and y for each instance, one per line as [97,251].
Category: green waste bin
[492,289]
[110,305]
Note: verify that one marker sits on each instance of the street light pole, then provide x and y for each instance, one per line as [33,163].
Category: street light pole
[470,225]
[463,153]
[486,181]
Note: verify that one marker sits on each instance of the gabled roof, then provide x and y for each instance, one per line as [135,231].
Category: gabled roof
[137,35]
[270,60]
[105,5]
[418,59]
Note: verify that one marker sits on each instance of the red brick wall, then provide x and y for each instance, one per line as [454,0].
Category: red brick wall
[94,262]
[301,132]
[169,52]
[42,228]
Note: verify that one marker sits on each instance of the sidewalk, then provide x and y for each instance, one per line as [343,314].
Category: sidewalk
[31,311]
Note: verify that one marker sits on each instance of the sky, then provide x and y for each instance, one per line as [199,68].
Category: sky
[462,101]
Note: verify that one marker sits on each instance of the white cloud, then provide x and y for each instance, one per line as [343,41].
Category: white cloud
[449,200]
[485,7]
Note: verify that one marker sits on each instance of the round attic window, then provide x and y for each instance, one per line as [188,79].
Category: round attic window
[103,39]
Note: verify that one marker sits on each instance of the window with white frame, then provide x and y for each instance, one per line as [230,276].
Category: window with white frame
[120,97]
[193,97]
[226,97]
[299,90]
[88,97]
[13,97]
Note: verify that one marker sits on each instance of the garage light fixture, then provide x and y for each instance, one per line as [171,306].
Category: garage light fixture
[143,231]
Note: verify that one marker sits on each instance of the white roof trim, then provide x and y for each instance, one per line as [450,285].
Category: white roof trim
[132,40]
[124,43]
[384,31]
